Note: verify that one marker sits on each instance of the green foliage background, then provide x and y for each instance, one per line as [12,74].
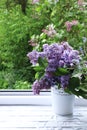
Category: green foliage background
[19,20]
[16,28]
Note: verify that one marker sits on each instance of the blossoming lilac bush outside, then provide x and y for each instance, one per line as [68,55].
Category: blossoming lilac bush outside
[56,65]
[55,61]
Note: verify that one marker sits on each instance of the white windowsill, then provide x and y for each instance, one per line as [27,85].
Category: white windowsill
[25,97]
[41,118]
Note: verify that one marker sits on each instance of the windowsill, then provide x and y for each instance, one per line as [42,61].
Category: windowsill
[34,100]
[26,97]
[36,112]
[41,118]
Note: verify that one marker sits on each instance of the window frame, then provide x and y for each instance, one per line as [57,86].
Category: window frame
[26,97]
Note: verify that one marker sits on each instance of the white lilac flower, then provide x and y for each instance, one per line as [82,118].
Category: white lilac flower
[50,31]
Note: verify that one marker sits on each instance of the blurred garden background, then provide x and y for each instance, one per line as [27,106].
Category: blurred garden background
[28,24]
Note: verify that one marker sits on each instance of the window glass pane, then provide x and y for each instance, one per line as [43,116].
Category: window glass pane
[26,25]
[15,69]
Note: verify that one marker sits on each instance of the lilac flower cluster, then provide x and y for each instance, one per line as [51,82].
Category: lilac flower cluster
[69,24]
[44,83]
[51,32]
[35,1]
[58,56]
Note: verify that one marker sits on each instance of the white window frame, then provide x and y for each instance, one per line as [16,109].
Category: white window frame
[26,97]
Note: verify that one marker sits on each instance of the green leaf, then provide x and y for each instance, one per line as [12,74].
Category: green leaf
[81,93]
[38,68]
[39,75]
[61,71]
[84,96]
[42,62]
[36,75]
[83,86]
[67,90]
[74,82]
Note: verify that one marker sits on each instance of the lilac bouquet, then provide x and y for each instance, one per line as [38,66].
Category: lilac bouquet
[57,64]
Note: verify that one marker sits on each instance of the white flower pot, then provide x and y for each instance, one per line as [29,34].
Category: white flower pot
[62,102]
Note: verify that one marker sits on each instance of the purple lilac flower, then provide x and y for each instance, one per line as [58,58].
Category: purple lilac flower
[45,47]
[33,56]
[50,69]
[65,56]
[74,57]
[36,87]
[42,54]
[52,64]
[55,80]
[61,63]
[70,57]
[44,83]
[65,81]
[57,55]
[66,46]
[73,54]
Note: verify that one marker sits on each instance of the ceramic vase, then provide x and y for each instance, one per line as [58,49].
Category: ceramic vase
[62,102]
